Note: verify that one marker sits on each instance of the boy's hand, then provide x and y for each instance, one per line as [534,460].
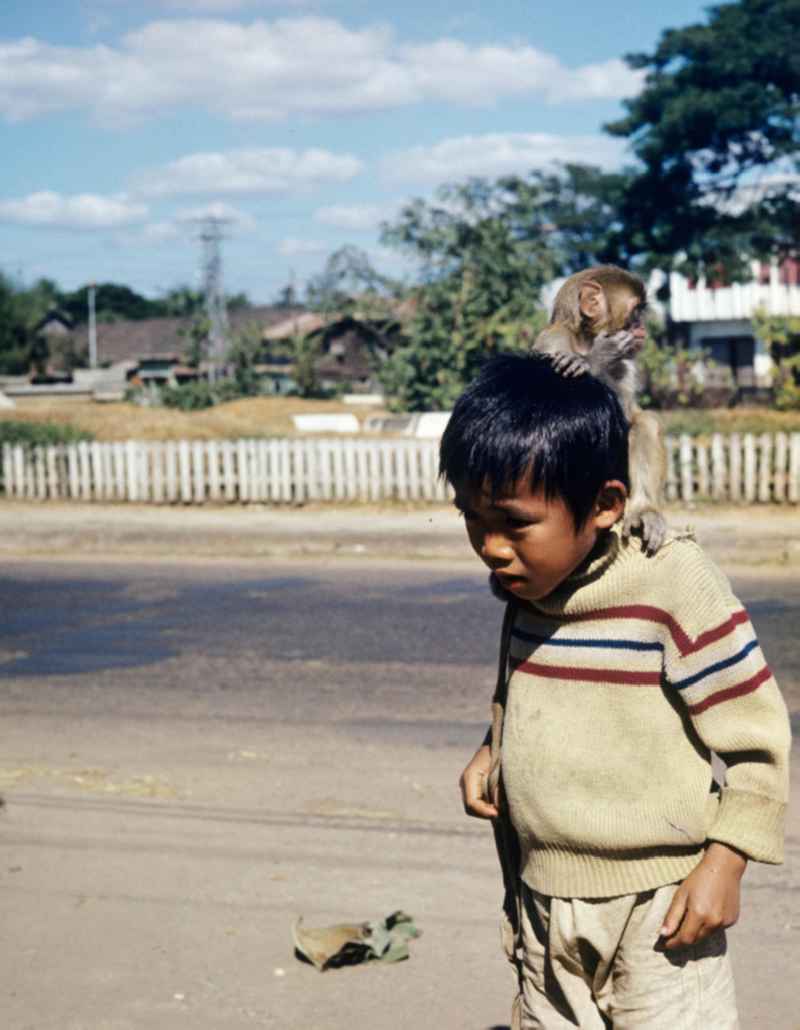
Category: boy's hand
[473,785]
[707,899]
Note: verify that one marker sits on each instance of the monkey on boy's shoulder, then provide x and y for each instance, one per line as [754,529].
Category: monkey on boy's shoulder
[597,326]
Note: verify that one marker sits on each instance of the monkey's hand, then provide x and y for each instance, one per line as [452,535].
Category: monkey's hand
[651,524]
[569,365]
[613,346]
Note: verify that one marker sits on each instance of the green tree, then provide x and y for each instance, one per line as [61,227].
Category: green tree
[113,301]
[349,284]
[305,352]
[482,270]
[243,355]
[21,307]
[195,335]
[782,337]
[715,128]
[181,301]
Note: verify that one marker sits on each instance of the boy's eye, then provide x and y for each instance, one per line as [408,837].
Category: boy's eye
[517,523]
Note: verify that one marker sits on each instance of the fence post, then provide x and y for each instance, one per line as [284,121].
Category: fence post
[701,450]
[72,471]
[157,471]
[228,477]
[749,468]
[671,484]
[7,472]
[198,472]
[718,471]
[687,483]
[185,471]
[794,469]
[735,484]
[779,480]
[765,469]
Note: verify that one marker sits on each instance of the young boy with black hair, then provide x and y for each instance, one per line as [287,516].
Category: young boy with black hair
[620,676]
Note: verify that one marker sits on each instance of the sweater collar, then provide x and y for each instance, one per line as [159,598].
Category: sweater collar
[581,590]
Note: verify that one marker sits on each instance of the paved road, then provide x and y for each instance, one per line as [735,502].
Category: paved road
[195,753]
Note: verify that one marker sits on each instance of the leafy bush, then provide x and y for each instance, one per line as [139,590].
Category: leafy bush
[674,377]
[782,337]
[189,396]
[40,434]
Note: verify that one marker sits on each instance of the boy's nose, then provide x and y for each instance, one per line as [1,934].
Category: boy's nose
[495,549]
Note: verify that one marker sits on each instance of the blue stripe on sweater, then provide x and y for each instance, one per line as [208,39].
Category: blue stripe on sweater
[709,670]
[615,644]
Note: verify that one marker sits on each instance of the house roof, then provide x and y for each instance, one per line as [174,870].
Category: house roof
[54,321]
[300,323]
[161,337]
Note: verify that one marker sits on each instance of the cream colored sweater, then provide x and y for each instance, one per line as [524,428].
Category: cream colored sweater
[622,682]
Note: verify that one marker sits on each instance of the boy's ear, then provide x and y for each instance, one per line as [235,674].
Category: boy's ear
[610,503]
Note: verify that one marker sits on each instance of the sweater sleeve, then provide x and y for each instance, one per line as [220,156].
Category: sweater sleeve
[715,666]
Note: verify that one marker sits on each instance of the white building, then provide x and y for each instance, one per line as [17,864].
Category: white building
[719,318]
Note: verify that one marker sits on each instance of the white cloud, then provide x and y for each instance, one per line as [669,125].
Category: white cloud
[266,170]
[497,154]
[292,247]
[276,69]
[225,6]
[355,217]
[82,211]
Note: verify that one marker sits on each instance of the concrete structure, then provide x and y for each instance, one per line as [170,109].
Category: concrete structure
[718,318]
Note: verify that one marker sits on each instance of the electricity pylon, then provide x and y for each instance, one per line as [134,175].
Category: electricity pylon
[211,236]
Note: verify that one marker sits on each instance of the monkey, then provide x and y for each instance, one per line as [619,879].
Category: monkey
[597,326]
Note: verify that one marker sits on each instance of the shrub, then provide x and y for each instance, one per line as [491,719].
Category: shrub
[40,434]
[674,377]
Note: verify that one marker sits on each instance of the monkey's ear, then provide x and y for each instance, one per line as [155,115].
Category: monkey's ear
[592,301]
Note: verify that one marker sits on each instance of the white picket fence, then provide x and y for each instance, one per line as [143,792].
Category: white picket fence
[736,468]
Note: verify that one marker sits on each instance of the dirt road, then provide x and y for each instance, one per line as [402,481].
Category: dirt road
[196,753]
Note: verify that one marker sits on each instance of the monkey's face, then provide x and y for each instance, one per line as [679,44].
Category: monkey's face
[613,308]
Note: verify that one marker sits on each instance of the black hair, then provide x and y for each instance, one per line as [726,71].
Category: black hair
[522,417]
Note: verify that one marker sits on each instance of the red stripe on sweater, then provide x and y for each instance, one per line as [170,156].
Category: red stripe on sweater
[747,687]
[649,613]
[569,672]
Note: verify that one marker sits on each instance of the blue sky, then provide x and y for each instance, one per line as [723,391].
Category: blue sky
[303,123]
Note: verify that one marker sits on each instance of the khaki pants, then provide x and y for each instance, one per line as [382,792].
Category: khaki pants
[593,964]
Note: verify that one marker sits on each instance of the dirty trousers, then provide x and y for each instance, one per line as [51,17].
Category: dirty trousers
[592,964]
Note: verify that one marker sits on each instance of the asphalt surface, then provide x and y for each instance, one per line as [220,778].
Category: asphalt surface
[196,752]
[756,535]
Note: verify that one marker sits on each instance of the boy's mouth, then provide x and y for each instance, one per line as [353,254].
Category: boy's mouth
[509,581]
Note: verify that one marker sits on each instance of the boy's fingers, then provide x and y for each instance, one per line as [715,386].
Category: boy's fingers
[691,930]
[472,794]
[481,809]
[675,914]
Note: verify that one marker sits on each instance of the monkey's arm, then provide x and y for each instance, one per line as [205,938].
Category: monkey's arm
[559,345]
[611,360]
[647,466]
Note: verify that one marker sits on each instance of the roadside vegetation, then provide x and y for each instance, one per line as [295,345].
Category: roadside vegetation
[710,135]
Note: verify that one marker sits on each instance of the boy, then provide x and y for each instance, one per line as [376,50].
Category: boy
[622,856]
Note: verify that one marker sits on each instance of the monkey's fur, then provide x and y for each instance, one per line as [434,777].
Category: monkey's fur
[596,327]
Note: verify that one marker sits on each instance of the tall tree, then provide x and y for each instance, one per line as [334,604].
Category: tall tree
[349,282]
[481,270]
[716,128]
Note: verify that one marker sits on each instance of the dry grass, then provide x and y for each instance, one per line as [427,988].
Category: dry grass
[252,416]
[700,422]
[272,416]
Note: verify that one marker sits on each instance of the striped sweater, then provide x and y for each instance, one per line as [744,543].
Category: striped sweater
[622,682]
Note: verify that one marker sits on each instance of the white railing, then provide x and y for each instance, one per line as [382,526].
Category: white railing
[733,468]
[198,472]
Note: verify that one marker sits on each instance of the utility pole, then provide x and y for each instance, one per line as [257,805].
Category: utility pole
[92,328]
[211,236]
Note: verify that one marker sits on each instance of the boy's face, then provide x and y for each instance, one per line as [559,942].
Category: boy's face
[529,542]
